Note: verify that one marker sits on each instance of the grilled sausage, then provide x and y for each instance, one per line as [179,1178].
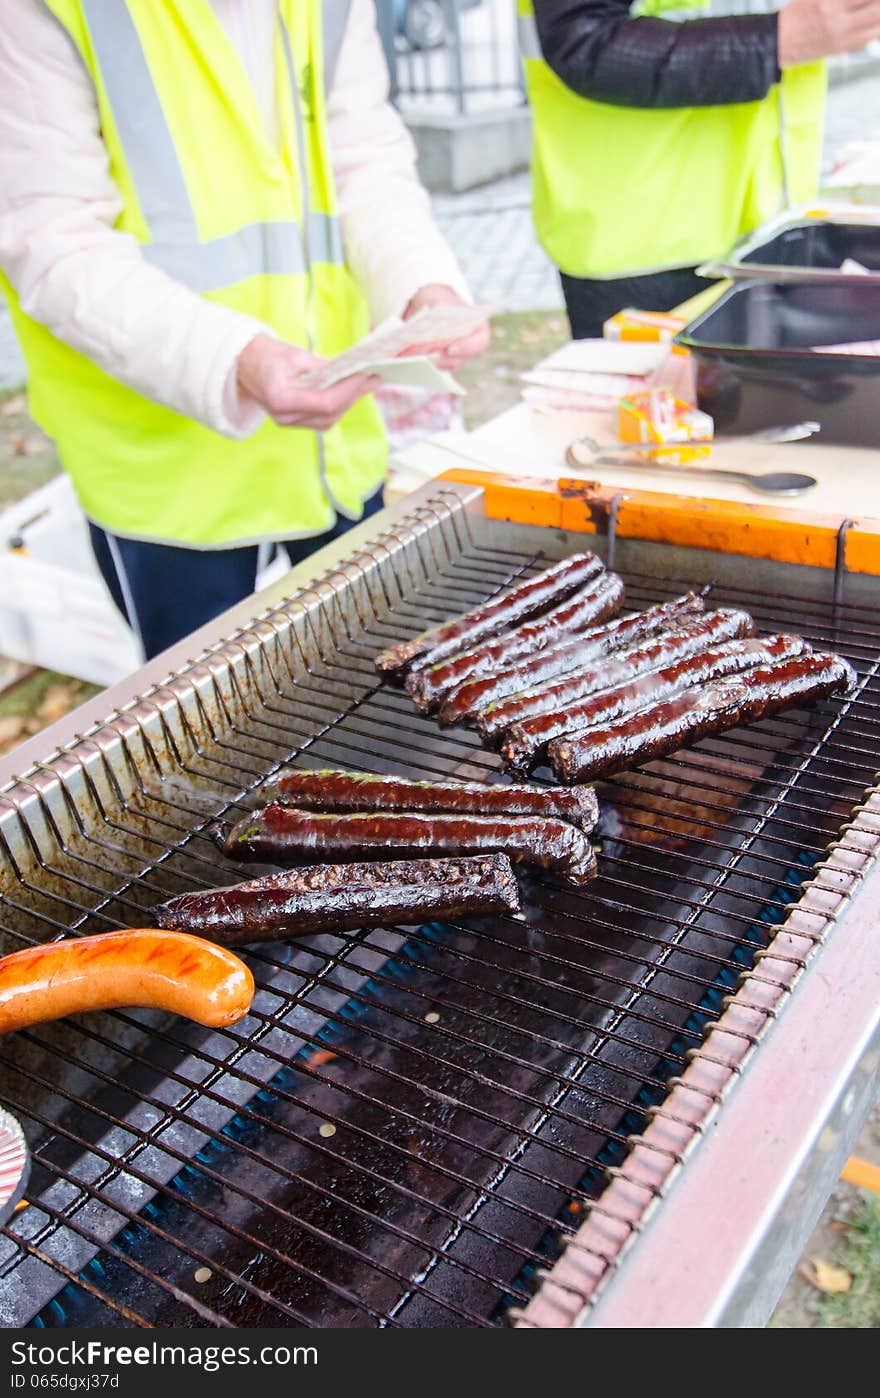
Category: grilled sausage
[160,970]
[598,640]
[526,599]
[431,685]
[687,639]
[524,742]
[428,685]
[343,897]
[698,713]
[463,703]
[331,790]
[280,835]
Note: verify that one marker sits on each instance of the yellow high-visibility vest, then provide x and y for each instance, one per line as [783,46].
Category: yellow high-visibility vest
[216,205]
[621,191]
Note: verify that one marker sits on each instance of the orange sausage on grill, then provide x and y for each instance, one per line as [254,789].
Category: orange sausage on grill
[156,970]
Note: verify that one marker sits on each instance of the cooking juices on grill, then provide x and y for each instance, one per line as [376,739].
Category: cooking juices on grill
[158,970]
[524,742]
[698,713]
[335,790]
[428,687]
[535,696]
[281,835]
[526,599]
[344,897]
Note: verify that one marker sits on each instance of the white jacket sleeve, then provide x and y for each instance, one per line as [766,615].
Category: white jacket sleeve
[76,274]
[391,242]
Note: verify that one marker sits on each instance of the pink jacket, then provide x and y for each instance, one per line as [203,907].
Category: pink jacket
[89,283]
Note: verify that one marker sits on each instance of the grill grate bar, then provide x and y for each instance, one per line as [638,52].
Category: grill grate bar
[238,1233]
[74,1278]
[319,1147]
[325,1151]
[302,1181]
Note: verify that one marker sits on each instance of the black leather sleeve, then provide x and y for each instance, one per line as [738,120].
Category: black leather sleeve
[601,53]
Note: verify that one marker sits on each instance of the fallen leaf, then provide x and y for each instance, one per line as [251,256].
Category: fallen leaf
[11,728]
[826,1277]
[57,701]
[14,405]
[29,445]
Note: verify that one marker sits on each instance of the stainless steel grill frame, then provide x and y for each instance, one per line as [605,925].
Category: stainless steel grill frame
[528,1153]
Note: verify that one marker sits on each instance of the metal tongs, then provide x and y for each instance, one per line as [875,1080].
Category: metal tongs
[584,451]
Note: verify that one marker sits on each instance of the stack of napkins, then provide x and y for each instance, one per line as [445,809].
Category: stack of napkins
[593,375]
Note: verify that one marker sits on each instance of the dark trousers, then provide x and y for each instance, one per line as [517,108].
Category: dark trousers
[590,302]
[165,592]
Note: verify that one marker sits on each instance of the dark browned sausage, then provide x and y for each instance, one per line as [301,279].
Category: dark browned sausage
[427,684]
[526,599]
[698,713]
[343,897]
[332,790]
[281,835]
[463,703]
[597,641]
[687,639]
[524,742]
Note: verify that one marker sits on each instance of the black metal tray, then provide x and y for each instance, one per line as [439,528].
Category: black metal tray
[758,365]
[818,244]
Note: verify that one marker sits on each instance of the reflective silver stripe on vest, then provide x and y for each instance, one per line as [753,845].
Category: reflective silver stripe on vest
[258,249]
[529,43]
[145,135]
[335,21]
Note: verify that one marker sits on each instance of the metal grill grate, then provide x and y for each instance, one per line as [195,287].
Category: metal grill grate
[411,1120]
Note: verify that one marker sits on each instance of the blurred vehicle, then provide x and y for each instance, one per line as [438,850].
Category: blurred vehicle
[422,23]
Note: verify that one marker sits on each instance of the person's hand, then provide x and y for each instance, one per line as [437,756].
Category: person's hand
[813,29]
[271,371]
[454,355]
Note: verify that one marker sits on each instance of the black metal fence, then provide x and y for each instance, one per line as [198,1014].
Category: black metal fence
[451,56]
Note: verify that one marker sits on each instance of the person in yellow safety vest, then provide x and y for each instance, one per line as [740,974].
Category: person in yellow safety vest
[664,132]
[200,202]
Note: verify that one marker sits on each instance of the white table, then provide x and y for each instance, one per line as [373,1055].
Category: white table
[523,442]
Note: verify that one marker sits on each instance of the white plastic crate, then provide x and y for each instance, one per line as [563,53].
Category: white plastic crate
[55,610]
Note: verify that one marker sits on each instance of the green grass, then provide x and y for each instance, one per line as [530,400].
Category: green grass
[859,1308]
[27,459]
[518,340]
[24,700]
